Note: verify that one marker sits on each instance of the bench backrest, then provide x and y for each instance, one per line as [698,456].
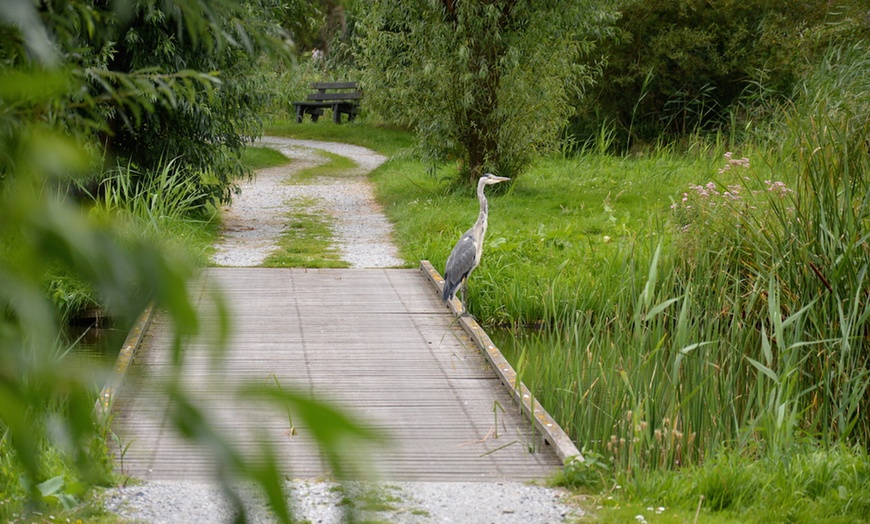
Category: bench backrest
[335,92]
[353,95]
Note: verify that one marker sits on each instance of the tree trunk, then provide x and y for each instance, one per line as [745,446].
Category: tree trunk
[476,156]
[479,129]
[482,142]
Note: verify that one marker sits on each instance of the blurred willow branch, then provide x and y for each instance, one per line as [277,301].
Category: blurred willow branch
[70,71]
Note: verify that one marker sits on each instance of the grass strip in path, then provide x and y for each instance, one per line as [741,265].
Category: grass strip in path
[308,239]
[261,157]
[335,166]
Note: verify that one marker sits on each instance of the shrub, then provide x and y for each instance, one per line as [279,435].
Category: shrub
[683,66]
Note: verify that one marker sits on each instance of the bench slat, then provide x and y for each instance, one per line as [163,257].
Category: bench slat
[356,95]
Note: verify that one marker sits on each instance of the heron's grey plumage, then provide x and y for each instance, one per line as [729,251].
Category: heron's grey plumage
[466,254]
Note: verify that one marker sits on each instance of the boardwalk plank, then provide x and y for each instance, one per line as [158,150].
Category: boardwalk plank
[378,343]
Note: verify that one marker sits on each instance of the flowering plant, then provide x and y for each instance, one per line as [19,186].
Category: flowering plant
[717,204]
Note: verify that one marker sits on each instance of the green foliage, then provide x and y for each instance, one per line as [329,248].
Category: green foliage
[684,66]
[657,344]
[590,472]
[64,490]
[147,80]
[303,22]
[321,25]
[70,296]
[487,83]
[173,193]
[64,109]
[211,127]
[45,402]
[168,204]
[731,337]
[824,237]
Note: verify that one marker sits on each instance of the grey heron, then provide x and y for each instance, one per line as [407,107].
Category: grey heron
[466,254]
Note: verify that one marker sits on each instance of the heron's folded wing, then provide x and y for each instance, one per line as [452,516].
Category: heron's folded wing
[461,259]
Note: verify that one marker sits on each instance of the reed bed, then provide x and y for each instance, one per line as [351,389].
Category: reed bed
[740,322]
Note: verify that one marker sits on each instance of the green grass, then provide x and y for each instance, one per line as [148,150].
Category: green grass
[383,139]
[335,166]
[307,240]
[261,157]
[804,485]
[554,233]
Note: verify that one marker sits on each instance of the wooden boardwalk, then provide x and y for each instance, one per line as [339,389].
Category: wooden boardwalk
[379,343]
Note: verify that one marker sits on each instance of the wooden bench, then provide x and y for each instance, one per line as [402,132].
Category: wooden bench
[341,97]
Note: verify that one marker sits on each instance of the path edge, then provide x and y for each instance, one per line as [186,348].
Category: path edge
[106,399]
[553,434]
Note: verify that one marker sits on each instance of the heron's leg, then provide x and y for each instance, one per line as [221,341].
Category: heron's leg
[465,301]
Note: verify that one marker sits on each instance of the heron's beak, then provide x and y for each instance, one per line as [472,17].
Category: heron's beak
[501,178]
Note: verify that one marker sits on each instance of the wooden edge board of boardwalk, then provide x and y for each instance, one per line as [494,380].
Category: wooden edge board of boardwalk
[552,431]
[378,343]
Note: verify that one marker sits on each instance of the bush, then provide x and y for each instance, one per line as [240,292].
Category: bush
[684,66]
[157,80]
[210,127]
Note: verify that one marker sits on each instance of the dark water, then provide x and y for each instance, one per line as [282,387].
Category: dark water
[511,341]
[94,349]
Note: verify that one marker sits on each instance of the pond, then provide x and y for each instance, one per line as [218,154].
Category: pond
[511,341]
[94,348]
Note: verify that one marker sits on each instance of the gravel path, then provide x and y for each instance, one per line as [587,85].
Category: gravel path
[173,502]
[251,228]
[254,222]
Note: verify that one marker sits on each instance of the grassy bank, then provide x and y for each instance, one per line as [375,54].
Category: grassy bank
[566,236]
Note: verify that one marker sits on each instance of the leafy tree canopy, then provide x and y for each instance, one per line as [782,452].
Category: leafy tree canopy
[145,79]
[314,24]
[680,66]
[488,82]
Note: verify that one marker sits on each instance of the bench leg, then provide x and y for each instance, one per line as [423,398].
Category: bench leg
[336,114]
[299,114]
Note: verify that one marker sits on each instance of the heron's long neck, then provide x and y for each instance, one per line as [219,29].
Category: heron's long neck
[484,209]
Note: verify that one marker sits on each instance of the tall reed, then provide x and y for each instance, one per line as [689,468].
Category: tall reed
[157,206]
[751,329]
[170,195]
